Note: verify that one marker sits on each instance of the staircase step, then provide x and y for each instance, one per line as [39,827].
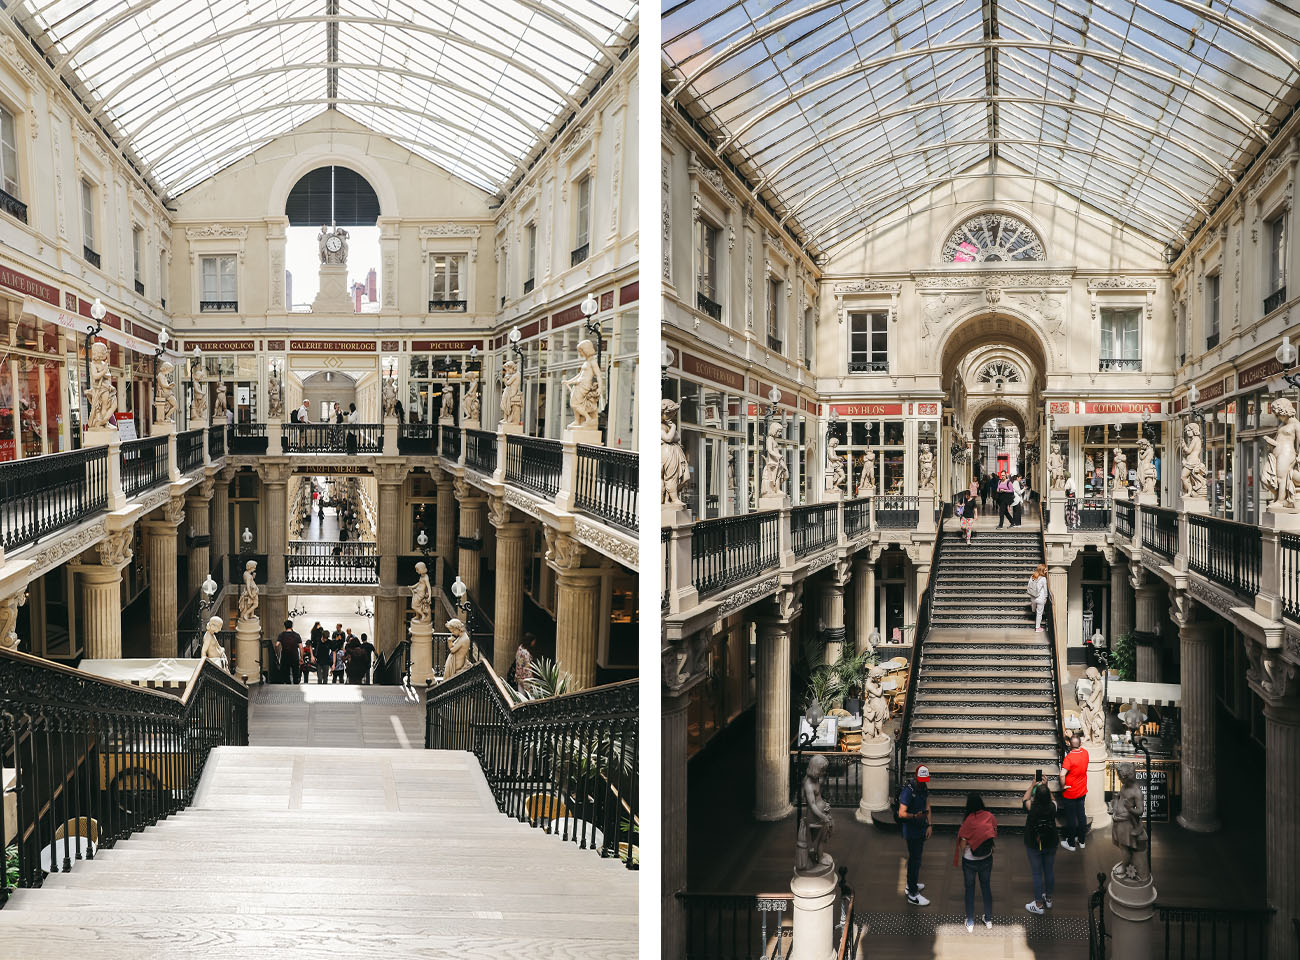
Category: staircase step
[981,740]
[922,724]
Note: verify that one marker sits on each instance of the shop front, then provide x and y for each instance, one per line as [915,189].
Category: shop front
[1099,441]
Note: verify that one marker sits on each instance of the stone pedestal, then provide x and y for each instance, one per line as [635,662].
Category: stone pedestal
[1095,809]
[1148,499]
[274,437]
[925,501]
[160,548]
[1056,512]
[1132,927]
[421,653]
[588,435]
[876,754]
[1200,810]
[510,429]
[833,495]
[815,898]
[101,611]
[1121,491]
[248,649]
[100,437]
[390,437]
[333,296]
[864,594]
[512,548]
[772,721]
[774,503]
[161,428]
[1195,505]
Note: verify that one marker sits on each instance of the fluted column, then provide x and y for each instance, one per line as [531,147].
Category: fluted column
[221,519]
[864,594]
[577,600]
[1282,815]
[200,526]
[445,540]
[1147,631]
[833,620]
[469,542]
[101,596]
[673,748]
[275,494]
[1199,778]
[160,547]
[772,720]
[388,536]
[508,610]
[1121,601]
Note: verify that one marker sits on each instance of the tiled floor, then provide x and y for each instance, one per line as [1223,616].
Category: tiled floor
[335,715]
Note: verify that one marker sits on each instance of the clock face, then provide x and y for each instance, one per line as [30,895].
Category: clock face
[333,244]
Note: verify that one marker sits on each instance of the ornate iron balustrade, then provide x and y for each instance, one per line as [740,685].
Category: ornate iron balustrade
[189,450]
[709,306]
[730,550]
[567,764]
[450,443]
[349,438]
[813,527]
[120,756]
[481,451]
[606,485]
[417,439]
[1094,513]
[448,306]
[842,783]
[245,438]
[1211,340]
[730,926]
[1119,365]
[868,366]
[579,255]
[534,463]
[394,667]
[665,548]
[1226,552]
[331,561]
[217,443]
[1288,545]
[857,517]
[90,256]
[1125,518]
[1274,300]
[896,512]
[1160,531]
[13,206]
[139,287]
[1190,933]
[218,306]
[45,494]
[144,464]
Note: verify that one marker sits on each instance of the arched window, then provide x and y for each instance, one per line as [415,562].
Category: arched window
[993,237]
[999,370]
[334,195]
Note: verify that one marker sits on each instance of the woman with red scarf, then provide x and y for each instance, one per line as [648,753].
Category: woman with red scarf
[975,839]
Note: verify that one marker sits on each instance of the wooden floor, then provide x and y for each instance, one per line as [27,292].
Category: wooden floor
[300,852]
[335,715]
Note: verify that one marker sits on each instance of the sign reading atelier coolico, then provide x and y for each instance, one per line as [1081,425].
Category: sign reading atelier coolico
[331,346]
[219,346]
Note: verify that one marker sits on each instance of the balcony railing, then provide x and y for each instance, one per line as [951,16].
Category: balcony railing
[1211,340]
[1094,513]
[1119,365]
[450,449]
[331,561]
[45,494]
[481,451]
[245,438]
[1125,517]
[775,343]
[529,284]
[1160,531]
[734,925]
[90,256]
[1289,574]
[448,306]
[813,527]
[711,307]
[13,206]
[332,438]
[1226,552]
[665,548]
[217,443]
[189,450]
[139,287]
[1274,300]
[857,517]
[417,439]
[579,255]
[144,464]
[895,512]
[730,550]
[534,463]
[606,485]
[218,306]
[868,366]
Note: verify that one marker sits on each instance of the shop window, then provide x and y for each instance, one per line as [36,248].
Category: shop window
[8,154]
[447,282]
[884,440]
[1121,331]
[1211,311]
[219,286]
[775,338]
[708,297]
[869,342]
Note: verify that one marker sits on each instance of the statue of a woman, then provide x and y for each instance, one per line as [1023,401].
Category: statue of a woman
[586,392]
[1280,475]
[835,470]
[875,707]
[817,823]
[212,648]
[469,401]
[867,479]
[925,474]
[219,407]
[1091,709]
[512,396]
[248,593]
[422,595]
[1119,469]
[676,468]
[164,396]
[274,396]
[776,475]
[103,394]
[457,649]
[1127,831]
[1193,475]
[1056,468]
[1147,475]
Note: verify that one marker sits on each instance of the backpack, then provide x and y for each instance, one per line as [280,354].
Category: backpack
[1043,833]
[959,510]
[983,850]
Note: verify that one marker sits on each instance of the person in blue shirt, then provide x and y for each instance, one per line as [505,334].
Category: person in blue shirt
[914,815]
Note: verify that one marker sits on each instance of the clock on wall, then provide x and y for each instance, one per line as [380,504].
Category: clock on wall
[333,244]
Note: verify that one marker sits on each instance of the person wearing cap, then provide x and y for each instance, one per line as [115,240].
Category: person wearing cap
[914,815]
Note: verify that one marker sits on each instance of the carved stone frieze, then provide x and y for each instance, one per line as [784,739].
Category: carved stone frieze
[55,552]
[1210,597]
[461,487]
[216,231]
[715,180]
[174,510]
[685,663]
[1122,283]
[868,286]
[498,511]
[433,231]
[747,595]
[521,501]
[978,281]
[822,560]
[599,538]
[1270,674]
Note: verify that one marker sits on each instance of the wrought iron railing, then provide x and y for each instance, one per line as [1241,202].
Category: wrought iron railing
[1226,552]
[1097,934]
[481,451]
[529,284]
[90,256]
[1049,629]
[45,494]
[218,306]
[394,667]
[567,765]
[448,306]
[868,366]
[857,517]
[925,610]
[1193,933]
[1119,365]
[579,255]
[709,306]
[842,782]
[189,450]
[813,526]
[534,463]
[1160,531]
[217,443]
[1094,513]
[244,438]
[13,206]
[1125,518]
[732,926]
[331,561]
[100,760]
[139,287]
[731,550]
[1274,300]
[450,442]
[144,464]
[606,483]
[896,512]
[1289,574]
[665,547]
[417,439]
[332,438]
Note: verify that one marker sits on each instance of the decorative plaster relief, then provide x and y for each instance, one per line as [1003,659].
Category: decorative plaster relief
[623,550]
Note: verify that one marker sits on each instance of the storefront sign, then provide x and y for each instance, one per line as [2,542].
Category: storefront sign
[867,409]
[1258,373]
[29,286]
[1156,793]
[787,398]
[442,346]
[566,317]
[223,346]
[333,346]
[275,344]
[1143,406]
[78,324]
[711,371]
[1211,390]
[1060,406]
[328,470]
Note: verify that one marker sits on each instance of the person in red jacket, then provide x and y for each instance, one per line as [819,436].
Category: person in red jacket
[1074,788]
[975,841]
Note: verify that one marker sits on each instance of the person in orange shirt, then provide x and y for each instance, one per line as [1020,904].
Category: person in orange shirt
[1074,788]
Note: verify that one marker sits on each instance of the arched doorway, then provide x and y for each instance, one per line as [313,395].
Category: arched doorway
[324,389]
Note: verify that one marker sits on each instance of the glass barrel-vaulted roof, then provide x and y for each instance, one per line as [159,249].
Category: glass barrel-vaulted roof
[187,87]
[843,111]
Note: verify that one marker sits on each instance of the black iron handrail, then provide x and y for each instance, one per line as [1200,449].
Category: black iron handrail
[189,450]
[331,561]
[729,926]
[394,667]
[897,512]
[534,463]
[481,451]
[106,757]
[417,439]
[245,438]
[813,526]
[450,442]
[332,438]
[44,494]
[1189,933]
[1227,552]
[217,443]
[729,550]
[1160,531]
[1049,627]
[565,764]
[857,517]
[144,464]
[921,631]
[842,781]
[1288,545]
[1125,518]
[1097,934]
[606,483]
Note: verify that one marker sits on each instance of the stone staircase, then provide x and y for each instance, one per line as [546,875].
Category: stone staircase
[297,852]
[982,716]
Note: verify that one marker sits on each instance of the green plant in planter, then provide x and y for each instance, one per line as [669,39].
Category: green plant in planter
[1123,656]
[11,866]
[829,683]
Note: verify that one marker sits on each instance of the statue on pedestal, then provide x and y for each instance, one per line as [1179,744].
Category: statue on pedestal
[816,824]
[199,398]
[512,395]
[332,244]
[1119,468]
[164,394]
[676,469]
[390,398]
[1147,475]
[446,405]
[867,480]
[925,475]
[103,393]
[836,472]
[469,400]
[1088,693]
[875,707]
[1193,475]
[274,396]
[457,648]
[219,406]
[1127,829]
[586,391]
[422,595]
[248,593]
[1281,473]
[1056,468]
[212,648]
[776,475]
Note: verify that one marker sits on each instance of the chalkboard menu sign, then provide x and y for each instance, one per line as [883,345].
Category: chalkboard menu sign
[1155,793]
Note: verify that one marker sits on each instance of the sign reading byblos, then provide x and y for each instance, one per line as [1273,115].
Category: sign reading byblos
[867,409]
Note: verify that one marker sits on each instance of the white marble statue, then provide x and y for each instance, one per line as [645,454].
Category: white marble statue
[219,405]
[390,398]
[512,394]
[103,392]
[447,405]
[676,469]
[867,479]
[875,706]
[422,595]
[1281,473]
[469,401]
[164,394]
[248,593]
[836,473]
[274,396]
[457,648]
[1119,469]
[1089,692]
[199,398]
[1193,475]
[776,475]
[332,244]
[1056,468]
[1147,475]
[925,474]
[586,390]
[212,648]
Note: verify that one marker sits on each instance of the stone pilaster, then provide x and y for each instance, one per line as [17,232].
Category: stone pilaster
[275,500]
[772,711]
[673,750]
[1121,600]
[200,526]
[577,602]
[445,534]
[864,595]
[1199,777]
[508,610]
[470,533]
[1147,631]
[390,477]
[160,547]
[101,596]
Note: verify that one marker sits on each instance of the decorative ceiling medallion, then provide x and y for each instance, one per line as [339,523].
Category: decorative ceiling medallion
[993,238]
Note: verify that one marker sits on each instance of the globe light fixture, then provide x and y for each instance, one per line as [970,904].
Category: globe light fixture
[1286,358]
[459,589]
[98,311]
[209,586]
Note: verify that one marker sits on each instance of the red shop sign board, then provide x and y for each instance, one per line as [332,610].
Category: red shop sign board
[1123,406]
[867,409]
